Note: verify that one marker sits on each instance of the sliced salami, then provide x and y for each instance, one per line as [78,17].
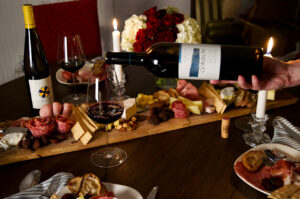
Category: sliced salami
[179,109]
[64,124]
[39,127]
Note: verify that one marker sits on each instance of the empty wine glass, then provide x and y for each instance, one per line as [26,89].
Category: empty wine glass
[105,105]
[71,57]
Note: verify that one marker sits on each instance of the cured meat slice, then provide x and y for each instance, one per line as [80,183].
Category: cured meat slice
[43,126]
[179,109]
[181,84]
[190,91]
[64,124]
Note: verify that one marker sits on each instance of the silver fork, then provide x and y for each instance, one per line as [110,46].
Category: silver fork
[52,187]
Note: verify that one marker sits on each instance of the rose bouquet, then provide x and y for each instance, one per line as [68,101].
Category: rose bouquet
[164,25]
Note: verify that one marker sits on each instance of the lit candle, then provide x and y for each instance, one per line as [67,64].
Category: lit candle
[262,95]
[117,48]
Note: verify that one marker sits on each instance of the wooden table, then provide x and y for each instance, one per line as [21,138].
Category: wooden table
[193,162]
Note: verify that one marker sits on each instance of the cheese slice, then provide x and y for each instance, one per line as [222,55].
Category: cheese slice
[85,120]
[130,108]
[86,138]
[271,94]
[77,131]
[82,109]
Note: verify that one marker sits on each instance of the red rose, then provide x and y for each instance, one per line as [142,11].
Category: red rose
[150,32]
[147,44]
[137,46]
[168,20]
[150,12]
[140,35]
[161,13]
[178,18]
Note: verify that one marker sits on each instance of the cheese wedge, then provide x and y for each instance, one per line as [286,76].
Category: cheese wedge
[77,131]
[85,139]
[130,108]
[95,124]
[86,120]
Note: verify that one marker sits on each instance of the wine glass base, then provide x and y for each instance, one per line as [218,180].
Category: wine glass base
[109,157]
[75,99]
[255,139]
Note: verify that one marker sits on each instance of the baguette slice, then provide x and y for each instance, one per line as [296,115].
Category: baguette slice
[284,192]
[90,185]
[75,184]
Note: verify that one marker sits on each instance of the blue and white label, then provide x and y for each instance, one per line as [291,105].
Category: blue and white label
[199,61]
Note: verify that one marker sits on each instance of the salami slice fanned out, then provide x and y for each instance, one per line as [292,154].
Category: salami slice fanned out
[39,127]
[64,124]
[179,109]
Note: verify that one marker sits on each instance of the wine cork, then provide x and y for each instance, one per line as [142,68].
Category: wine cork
[224,127]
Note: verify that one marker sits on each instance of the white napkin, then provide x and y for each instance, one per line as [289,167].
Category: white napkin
[36,191]
[282,137]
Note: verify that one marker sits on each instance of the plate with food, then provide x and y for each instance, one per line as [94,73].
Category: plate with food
[89,186]
[81,76]
[279,176]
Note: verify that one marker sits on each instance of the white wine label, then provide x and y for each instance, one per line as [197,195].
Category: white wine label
[199,61]
[41,92]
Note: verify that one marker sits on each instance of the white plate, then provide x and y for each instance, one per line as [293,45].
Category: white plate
[62,80]
[291,153]
[120,191]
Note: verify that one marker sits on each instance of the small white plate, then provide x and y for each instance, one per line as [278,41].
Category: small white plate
[62,80]
[120,191]
[291,153]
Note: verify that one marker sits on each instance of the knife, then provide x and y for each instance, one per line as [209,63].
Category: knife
[13,129]
[152,193]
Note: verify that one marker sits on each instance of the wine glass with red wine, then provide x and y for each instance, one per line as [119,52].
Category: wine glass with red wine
[105,105]
[71,58]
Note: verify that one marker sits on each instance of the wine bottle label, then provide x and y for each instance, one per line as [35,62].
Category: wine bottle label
[199,61]
[41,92]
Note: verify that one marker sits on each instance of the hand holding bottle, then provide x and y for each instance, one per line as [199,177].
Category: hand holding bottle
[276,74]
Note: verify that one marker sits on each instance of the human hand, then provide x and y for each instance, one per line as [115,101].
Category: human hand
[275,75]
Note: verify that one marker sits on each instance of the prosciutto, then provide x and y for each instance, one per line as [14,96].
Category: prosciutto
[64,124]
[41,126]
[179,109]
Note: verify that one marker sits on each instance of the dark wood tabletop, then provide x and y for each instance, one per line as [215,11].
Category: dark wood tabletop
[193,162]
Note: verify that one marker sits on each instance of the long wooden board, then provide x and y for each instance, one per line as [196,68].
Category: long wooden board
[144,129]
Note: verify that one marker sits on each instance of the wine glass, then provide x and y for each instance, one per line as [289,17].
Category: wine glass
[71,57]
[105,105]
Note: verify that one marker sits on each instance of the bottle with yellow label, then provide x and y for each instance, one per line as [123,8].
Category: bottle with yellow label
[36,67]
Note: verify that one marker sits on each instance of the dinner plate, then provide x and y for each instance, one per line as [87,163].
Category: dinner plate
[120,191]
[62,80]
[291,153]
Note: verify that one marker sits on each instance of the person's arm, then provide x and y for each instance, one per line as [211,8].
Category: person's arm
[276,74]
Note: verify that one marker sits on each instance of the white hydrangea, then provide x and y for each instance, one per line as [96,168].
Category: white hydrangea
[189,31]
[132,25]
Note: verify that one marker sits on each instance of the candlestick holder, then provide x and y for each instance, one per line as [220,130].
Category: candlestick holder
[257,135]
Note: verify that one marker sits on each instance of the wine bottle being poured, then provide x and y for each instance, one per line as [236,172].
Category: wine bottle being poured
[195,61]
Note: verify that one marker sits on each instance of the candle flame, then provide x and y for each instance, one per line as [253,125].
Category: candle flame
[115,24]
[270,45]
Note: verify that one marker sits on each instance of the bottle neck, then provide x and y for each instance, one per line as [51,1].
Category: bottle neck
[28,16]
[125,58]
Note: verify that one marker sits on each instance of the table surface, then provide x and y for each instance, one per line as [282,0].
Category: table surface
[193,162]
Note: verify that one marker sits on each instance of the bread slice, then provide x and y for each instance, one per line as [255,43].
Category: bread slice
[90,185]
[240,94]
[74,184]
[284,192]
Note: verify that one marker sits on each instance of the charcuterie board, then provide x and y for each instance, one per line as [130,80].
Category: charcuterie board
[144,129]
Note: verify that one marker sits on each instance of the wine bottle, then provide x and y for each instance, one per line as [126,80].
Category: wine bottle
[195,61]
[36,67]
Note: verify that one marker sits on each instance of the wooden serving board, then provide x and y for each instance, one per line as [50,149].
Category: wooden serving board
[144,129]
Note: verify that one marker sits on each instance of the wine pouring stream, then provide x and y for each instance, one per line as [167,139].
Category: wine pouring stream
[256,136]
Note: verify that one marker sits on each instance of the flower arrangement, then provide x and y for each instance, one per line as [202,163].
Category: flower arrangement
[164,25]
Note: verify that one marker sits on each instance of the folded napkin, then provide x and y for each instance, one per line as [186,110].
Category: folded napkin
[60,179]
[283,137]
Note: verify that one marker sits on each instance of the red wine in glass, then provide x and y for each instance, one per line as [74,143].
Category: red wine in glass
[105,112]
[72,65]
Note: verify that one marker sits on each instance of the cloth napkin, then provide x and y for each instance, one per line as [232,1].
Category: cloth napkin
[281,136]
[36,191]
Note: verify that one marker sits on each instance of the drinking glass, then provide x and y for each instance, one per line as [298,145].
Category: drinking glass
[105,105]
[71,57]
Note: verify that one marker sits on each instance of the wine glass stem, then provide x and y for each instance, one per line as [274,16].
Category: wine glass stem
[107,142]
[74,86]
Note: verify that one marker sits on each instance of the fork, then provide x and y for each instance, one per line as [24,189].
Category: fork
[52,187]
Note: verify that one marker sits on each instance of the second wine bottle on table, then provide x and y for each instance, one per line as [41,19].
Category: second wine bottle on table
[36,67]
[195,61]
